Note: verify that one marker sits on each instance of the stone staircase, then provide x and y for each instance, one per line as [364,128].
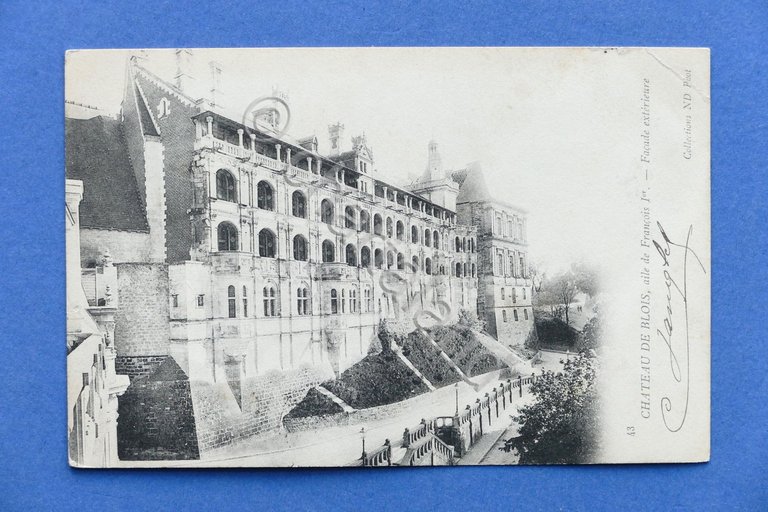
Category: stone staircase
[513,361]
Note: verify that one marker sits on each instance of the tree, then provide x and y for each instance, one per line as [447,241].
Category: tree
[561,425]
[565,290]
[591,334]
[585,278]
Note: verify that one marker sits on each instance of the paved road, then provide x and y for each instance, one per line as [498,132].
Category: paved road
[339,446]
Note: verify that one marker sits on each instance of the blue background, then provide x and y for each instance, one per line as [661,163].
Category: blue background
[34,35]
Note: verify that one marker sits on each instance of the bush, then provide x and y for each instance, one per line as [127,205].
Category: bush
[561,425]
[314,404]
[377,379]
[555,334]
[425,357]
[460,343]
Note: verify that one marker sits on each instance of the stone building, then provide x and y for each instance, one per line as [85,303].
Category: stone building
[241,251]
[92,381]
[505,289]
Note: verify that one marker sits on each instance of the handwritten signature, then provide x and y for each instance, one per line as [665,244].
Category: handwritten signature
[676,291]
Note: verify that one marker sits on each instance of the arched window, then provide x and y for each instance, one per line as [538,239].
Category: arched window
[415,264]
[365,257]
[227,234]
[436,239]
[399,230]
[264,196]
[474,270]
[329,252]
[457,244]
[245,301]
[326,211]
[389,227]
[365,221]
[334,302]
[525,314]
[266,243]
[225,186]
[378,257]
[414,234]
[299,205]
[349,217]
[377,224]
[514,313]
[504,315]
[472,245]
[231,302]
[458,270]
[343,301]
[428,266]
[270,300]
[353,300]
[464,270]
[351,255]
[427,238]
[400,261]
[390,259]
[464,244]
[299,248]
[302,300]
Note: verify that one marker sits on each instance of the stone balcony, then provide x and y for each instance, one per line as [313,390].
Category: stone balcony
[231,261]
[337,271]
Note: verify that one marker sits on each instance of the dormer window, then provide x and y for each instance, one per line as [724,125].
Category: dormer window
[164,108]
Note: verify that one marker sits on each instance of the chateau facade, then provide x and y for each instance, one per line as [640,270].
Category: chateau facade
[273,256]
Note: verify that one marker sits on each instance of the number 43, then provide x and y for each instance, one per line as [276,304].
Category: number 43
[630,431]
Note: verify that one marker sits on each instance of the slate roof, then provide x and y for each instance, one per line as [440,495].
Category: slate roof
[472,185]
[96,154]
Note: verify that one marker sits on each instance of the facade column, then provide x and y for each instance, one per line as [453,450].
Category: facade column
[209,120]
[253,143]
[319,166]
[240,132]
[309,163]
[288,156]
[278,147]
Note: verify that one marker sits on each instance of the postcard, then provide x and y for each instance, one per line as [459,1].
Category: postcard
[384,257]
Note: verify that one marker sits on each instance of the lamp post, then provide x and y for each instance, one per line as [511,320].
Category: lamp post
[362,436]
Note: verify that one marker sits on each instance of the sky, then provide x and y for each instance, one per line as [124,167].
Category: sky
[540,122]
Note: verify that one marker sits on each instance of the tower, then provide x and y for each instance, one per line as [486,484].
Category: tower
[183,78]
[335,131]
[434,184]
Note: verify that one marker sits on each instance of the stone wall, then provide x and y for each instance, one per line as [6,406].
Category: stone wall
[142,328]
[136,366]
[156,418]
[265,400]
[356,417]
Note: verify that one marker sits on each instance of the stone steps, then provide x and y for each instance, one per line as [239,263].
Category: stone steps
[338,401]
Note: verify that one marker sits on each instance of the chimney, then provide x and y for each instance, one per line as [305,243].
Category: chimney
[216,94]
[183,77]
[434,163]
[335,132]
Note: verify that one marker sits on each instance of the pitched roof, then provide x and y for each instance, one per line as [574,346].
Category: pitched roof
[96,154]
[472,186]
